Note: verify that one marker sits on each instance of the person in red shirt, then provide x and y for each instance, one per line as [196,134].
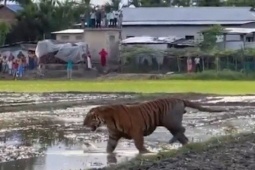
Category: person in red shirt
[15,66]
[103,55]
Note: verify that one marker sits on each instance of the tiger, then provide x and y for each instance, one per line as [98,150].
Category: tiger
[134,121]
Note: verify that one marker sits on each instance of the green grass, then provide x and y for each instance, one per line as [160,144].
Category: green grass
[140,86]
[197,148]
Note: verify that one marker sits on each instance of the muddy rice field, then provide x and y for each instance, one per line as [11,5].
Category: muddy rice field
[44,131]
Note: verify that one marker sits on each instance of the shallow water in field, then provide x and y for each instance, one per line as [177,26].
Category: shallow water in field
[54,139]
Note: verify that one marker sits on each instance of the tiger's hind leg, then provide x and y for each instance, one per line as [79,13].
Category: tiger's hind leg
[112,143]
[139,144]
[178,134]
[174,138]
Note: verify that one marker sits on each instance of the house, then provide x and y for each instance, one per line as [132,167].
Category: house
[186,22]
[17,48]
[8,13]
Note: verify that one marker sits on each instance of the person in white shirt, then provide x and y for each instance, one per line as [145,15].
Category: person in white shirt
[108,17]
[115,19]
[120,19]
[93,18]
[5,66]
[9,64]
[197,63]
[111,16]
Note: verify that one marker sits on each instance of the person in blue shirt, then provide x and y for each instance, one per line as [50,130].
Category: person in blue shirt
[69,69]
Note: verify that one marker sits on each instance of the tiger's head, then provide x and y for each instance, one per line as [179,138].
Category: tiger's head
[92,119]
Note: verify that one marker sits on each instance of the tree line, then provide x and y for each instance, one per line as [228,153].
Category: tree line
[38,19]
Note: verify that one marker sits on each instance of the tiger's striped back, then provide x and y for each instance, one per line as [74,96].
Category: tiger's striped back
[153,113]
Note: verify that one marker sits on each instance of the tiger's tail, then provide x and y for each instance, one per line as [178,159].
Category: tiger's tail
[199,107]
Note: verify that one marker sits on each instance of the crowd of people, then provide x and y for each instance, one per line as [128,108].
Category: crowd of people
[16,66]
[100,18]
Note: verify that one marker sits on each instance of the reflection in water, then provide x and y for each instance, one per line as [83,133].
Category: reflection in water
[65,147]
[24,164]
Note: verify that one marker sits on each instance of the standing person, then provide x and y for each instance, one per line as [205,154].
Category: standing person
[93,18]
[103,55]
[9,64]
[197,62]
[98,18]
[1,63]
[69,68]
[15,66]
[115,18]
[20,68]
[108,19]
[5,67]
[89,61]
[120,19]
[111,16]
[189,65]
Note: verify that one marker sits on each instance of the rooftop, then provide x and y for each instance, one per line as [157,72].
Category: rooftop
[69,31]
[187,15]
[149,40]
[13,7]
[239,30]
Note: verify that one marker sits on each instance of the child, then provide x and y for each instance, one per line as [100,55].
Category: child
[69,69]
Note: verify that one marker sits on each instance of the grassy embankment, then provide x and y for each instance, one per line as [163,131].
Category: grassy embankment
[139,86]
[216,143]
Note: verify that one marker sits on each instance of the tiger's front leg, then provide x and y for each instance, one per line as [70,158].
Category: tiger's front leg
[112,143]
[139,143]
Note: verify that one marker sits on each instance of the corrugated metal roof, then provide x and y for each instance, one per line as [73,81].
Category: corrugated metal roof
[187,15]
[185,22]
[150,40]
[240,30]
[14,7]
[69,31]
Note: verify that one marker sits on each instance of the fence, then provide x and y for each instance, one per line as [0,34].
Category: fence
[141,59]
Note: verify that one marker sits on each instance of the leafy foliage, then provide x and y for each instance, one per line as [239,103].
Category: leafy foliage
[210,37]
[4,30]
[39,20]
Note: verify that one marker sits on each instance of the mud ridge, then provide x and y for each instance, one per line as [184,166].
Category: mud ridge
[223,153]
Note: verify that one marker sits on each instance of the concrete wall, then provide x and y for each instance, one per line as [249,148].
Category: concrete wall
[107,38]
[73,38]
[235,45]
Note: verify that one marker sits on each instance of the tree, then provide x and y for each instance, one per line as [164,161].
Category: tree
[37,21]
[209,3]
[240,3]
[4,30]
[154,3]
[210,37]
[180,3]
